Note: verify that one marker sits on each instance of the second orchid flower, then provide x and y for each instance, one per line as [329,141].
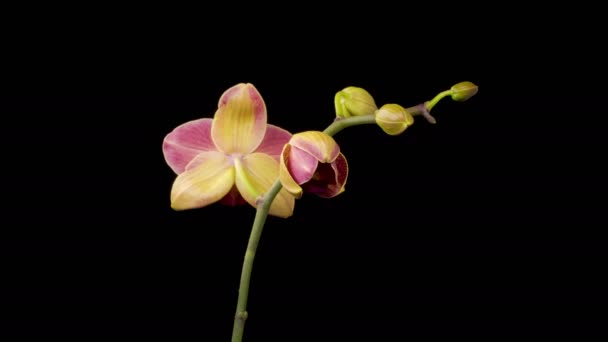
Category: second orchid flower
[312,162]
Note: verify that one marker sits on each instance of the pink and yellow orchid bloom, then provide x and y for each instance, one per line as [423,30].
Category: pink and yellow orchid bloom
[231,157]
[312,162]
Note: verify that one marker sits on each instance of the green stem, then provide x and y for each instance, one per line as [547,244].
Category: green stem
[252,246]
[424,109]
[430,104]
[341,124]
[417,110]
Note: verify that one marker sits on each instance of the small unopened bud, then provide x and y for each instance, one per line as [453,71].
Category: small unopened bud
[393,119]
[353,101]
[463,91]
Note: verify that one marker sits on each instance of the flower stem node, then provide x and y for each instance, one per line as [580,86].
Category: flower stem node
[241,315]
[393,119]
[259,200]
[354,101]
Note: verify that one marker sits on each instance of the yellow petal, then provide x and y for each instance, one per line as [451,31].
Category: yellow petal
[255,174]
[239,124]
[320,145]
[286,179]
[207,179]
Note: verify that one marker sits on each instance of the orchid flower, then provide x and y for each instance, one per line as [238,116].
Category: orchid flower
[232,157]
[312,162]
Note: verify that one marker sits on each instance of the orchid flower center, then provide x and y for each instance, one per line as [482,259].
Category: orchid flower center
[316,176]
[235,156]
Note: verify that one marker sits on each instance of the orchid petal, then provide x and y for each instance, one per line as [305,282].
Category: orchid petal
[285,177]
[301,165]
[207,179]
[329,179]
[340,167]
[185,142]
[273,141]
[320,145]
[239,124]
[255,174]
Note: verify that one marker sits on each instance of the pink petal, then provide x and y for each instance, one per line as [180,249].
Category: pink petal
[301,165]
[185,142]
[273,142]
[320,145]
[239,124]
[340,167]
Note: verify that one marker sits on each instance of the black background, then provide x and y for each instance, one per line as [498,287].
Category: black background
[485,224]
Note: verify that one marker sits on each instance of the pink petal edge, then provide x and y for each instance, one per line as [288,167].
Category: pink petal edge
[186,141]
[273,142]
[340,167]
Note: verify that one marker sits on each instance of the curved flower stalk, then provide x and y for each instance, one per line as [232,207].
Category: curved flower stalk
[232,157]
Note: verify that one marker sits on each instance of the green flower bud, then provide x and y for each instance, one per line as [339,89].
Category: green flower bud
[463,91]
[393,119]
[353,101]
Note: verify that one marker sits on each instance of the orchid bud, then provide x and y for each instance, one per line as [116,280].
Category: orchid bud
[463,91]
[393,119]
[354,101]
